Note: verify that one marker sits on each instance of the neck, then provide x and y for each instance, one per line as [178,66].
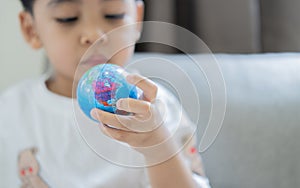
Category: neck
[60,85]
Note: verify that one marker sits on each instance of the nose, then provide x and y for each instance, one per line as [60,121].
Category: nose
[91,35]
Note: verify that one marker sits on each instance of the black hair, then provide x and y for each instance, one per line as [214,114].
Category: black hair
[28,5]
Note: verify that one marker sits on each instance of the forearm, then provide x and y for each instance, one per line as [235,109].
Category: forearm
[172,173]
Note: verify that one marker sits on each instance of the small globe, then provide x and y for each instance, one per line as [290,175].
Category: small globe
[102,86]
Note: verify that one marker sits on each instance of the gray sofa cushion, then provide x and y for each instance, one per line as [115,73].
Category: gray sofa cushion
[258,145]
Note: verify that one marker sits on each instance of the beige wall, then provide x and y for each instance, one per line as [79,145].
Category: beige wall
[17,60]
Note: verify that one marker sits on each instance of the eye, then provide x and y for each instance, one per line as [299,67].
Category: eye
[67,20]
[115,16]
[30,169]
[22,172]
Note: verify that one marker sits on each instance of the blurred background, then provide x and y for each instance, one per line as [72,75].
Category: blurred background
[17,60]
[231,26]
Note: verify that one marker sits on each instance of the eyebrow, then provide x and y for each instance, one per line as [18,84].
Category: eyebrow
[57,2]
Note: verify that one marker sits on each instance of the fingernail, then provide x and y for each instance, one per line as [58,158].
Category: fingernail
[119,103]
[94,114]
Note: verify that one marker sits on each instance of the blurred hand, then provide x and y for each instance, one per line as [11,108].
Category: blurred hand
[144,127]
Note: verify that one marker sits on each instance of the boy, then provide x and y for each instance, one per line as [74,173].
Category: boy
[50,152]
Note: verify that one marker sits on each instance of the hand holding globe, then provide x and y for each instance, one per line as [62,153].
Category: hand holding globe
[103,90]
[102,86]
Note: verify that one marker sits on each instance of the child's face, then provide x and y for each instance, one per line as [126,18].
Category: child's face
[67,28]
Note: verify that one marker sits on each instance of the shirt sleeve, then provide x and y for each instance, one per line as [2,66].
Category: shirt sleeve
[183,130]
[191,156]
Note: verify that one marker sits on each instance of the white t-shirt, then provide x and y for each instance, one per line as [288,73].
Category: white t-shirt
[40,144]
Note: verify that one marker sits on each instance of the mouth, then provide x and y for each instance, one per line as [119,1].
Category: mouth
[95,60]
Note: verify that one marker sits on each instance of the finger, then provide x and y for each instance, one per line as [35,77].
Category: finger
[134,106]
[149,88]
[116,134]
[116,121]
[125,123]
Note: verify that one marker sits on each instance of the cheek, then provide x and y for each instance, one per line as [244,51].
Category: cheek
[61,57]
[63,60]
[62,52]
[123,56]
[121,45]
[59,44]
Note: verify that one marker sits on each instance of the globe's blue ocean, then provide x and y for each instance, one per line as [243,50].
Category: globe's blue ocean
[102,86]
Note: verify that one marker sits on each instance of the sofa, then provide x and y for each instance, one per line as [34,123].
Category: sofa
[257,144]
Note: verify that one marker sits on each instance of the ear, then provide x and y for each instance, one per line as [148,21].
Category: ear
[29,30]
[139,17]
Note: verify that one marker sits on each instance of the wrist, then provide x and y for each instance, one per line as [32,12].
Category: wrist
[163,149]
